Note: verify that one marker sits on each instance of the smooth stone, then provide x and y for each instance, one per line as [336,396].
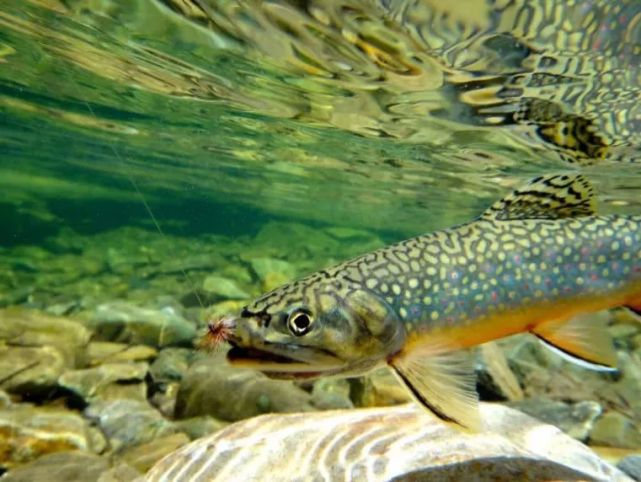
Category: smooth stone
[264,267]
[120,472]
[33,328]
[331,393]
[197,427]
[143,457]
[295,241]
[615,430]
[99,352]
[379,389]
[28,432]
[631,465]
[393,443]
[171,364]
[164,399]
[127,423]
[212,387]
[108,381]
[71,466]
[30,370]
[224,288]
[126,323]
[575,419]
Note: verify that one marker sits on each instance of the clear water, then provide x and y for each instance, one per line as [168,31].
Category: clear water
[394,117]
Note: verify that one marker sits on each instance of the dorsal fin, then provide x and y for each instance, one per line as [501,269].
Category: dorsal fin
[547,197]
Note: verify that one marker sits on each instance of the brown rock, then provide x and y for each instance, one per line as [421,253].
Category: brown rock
[401,443]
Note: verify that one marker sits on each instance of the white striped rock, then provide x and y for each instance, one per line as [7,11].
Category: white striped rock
[399,443]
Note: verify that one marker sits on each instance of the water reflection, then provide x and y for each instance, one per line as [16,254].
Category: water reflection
[291,100]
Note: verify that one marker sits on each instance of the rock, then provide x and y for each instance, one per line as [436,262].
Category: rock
[331,393]
[224,288]
[71,466]
[32,328]
[30,371]
[631,465]
[164,399]
[208,385]
[615,430]
[122,322]
[295,241]
[108,381]
[127,423]
[379,389]
[270,267]
[119,473]
[142,457]
[197,427]
[392,443]
[99,352]
[575,419]
[171,364]
[28,432]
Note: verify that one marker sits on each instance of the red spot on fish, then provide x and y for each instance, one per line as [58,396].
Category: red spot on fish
[637,269]
[548,281]
[594,277]
[517,258]
[494,296]
[585,250]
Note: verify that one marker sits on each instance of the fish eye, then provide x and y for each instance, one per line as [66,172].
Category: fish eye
[299,323]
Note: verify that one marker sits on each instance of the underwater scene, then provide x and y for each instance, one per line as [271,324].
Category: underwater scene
[324,240]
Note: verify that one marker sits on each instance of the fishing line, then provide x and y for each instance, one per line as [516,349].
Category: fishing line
[141,196]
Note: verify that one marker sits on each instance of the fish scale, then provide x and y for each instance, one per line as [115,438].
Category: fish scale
[532,262]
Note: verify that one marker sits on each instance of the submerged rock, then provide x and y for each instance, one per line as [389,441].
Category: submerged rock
[108,381]
[127,423]
[30,328]
[631,465]
[142,457]
[99,352]
[126,323]
[28,432]
[615,430]
[30,371]
[224,288]
[575,419]
[72,466]
[398,443]
[379,389]
[211,387]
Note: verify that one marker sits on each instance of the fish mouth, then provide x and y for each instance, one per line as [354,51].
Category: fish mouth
[276,364]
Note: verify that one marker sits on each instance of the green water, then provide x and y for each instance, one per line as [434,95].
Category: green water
[304,132]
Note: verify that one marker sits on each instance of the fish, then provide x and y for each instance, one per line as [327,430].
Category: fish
[537,261]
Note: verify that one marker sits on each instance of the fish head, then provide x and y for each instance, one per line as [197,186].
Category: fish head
[316,327]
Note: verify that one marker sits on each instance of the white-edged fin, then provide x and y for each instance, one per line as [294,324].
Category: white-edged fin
[555,196]
[442,381]
[583,340]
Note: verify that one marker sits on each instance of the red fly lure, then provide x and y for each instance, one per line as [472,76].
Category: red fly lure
[218,332]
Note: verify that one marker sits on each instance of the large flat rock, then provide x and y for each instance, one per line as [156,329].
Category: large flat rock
[399,443]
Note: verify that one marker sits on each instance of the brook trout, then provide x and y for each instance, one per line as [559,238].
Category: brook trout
[530,263]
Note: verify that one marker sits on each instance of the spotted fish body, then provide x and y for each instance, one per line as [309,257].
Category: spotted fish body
[530,263]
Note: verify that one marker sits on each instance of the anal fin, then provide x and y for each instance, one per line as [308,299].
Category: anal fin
[442,381]
[583,339]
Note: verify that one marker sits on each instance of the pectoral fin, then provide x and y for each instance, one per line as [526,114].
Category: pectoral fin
[583,339]
[442,381]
